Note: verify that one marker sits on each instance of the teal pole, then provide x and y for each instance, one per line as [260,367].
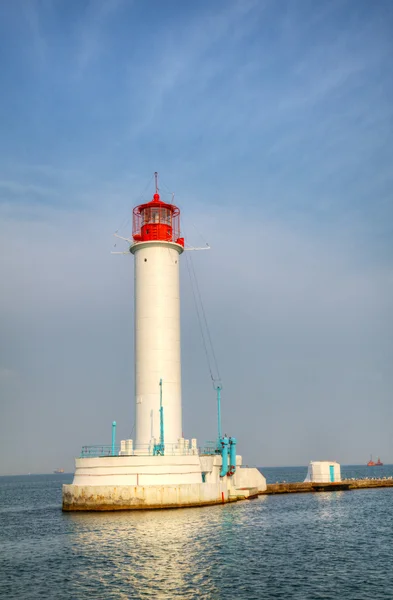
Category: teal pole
[159,448]
[219,388]
[232,455]
[161,418]
[224,454]
[113,437]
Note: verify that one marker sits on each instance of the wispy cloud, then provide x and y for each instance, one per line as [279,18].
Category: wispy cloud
[24,189]
[31,11]
[91,31]
[188,62]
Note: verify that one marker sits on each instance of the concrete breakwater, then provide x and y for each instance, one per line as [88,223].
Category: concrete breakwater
[310,486]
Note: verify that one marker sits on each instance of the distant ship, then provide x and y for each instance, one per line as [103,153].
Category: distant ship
[58,471]
[371,463]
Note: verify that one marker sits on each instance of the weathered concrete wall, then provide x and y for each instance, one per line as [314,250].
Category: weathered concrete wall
[368,483]
[247,477]
[309,486]
[102,498]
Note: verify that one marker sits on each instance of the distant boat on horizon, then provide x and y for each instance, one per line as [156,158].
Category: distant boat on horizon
[371,463]
[58,471]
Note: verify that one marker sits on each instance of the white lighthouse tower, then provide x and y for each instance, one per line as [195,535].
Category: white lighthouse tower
[157,248]
[159,468]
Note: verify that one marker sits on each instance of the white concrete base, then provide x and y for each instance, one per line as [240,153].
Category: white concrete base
[148,482]
[101,498]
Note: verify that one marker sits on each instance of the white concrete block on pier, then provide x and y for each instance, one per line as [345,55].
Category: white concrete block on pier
[323,471]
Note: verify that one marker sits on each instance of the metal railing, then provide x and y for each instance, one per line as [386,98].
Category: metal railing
[141,450]
[209,448]
[103,450]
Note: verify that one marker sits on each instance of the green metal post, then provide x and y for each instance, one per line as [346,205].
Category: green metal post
[113,437]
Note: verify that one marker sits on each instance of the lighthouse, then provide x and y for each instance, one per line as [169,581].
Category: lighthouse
[158,468]
[157,249]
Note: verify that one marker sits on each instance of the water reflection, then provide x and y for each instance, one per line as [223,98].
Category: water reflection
[330,504]
[164,554]
[151,554]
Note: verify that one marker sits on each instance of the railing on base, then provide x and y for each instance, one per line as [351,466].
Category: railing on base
[104,450]
[141,450]
[210,448]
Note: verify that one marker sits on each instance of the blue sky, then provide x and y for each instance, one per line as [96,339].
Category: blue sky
[272,122]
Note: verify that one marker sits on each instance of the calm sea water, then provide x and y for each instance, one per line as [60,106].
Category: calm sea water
[304,546]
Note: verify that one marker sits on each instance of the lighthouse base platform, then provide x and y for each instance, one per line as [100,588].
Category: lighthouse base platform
[152,482]
[99,498]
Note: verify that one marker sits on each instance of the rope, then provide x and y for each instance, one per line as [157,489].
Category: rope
[206,324]
[162,184]
[140,197]
[124,224]
[202,238]
[202,322]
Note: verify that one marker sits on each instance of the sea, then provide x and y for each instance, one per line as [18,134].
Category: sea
[333,545]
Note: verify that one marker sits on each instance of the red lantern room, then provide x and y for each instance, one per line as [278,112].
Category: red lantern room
[156,220]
